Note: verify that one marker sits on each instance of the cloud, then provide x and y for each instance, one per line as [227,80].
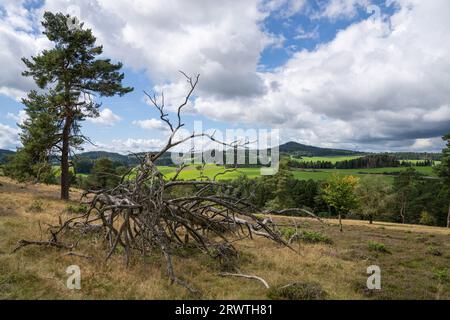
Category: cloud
[342,9]
[303,34]
[440,114]
[105,118]
[150,124]
[377,82]
[127,146]
[9,137]
[285,8]
[420,145]
[17,40]
[222,41]
[20,118]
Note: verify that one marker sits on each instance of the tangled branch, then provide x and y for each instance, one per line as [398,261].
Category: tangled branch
[142,216]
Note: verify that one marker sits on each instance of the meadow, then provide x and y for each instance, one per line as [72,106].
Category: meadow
[327,159]
[210,171]
[414,260]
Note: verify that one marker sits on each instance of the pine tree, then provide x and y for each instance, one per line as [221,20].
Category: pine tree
[73,74]
[38,136]
[443,170]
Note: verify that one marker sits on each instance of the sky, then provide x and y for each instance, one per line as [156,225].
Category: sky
[356,74]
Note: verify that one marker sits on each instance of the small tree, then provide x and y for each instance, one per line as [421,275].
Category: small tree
[427,219]
[282,183]
[405,189]
[443,170]
[72,74]
[103,175]
[339,193]
[38,137]
[373,193]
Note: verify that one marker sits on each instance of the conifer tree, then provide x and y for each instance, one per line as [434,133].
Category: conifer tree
[443,170]
[73,74]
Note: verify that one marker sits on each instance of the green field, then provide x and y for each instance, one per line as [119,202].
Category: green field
[306,174]
[211,170]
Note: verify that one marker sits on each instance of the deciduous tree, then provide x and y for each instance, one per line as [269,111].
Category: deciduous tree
[339,193]
[373,194]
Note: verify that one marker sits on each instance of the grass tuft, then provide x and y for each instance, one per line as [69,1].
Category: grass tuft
[378,247]
[36,206]
[298,291]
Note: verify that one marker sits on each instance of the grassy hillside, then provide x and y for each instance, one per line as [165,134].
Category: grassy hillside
[414,260]
[315,174]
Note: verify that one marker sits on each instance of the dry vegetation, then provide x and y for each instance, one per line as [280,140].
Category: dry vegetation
[415,262]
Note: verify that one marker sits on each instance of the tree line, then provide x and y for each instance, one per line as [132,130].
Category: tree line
[366,162]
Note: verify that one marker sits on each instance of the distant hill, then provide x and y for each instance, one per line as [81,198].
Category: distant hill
[94,155]
[126,159]
[298,149]
[4,154]
[291,148]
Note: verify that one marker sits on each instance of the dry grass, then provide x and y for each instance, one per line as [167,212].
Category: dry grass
[411,270]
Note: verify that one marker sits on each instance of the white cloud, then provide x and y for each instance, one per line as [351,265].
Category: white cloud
[127,146]
[440,114]
[105,118]
[17,40]
[421,145]
[221,40]
[303,34]
[376,82]
[20,118]
[342,9]
[9,137]
[150,124]
[285,8]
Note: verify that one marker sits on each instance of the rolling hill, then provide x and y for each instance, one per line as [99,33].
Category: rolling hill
[295,148]
[290,148]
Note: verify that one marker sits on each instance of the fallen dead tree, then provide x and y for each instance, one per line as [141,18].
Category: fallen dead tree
[141,216]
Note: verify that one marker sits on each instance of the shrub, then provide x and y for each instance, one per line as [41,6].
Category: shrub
[434,251]
[427,219]
[287,232]
[315,237]
[78,209]
[35,206]
[298,291]
[441,274]
[378,247]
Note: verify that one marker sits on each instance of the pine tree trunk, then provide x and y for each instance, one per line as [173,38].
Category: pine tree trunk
[448,216]
[65,179]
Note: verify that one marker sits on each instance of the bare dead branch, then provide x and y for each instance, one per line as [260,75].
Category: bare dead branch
[264,282]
